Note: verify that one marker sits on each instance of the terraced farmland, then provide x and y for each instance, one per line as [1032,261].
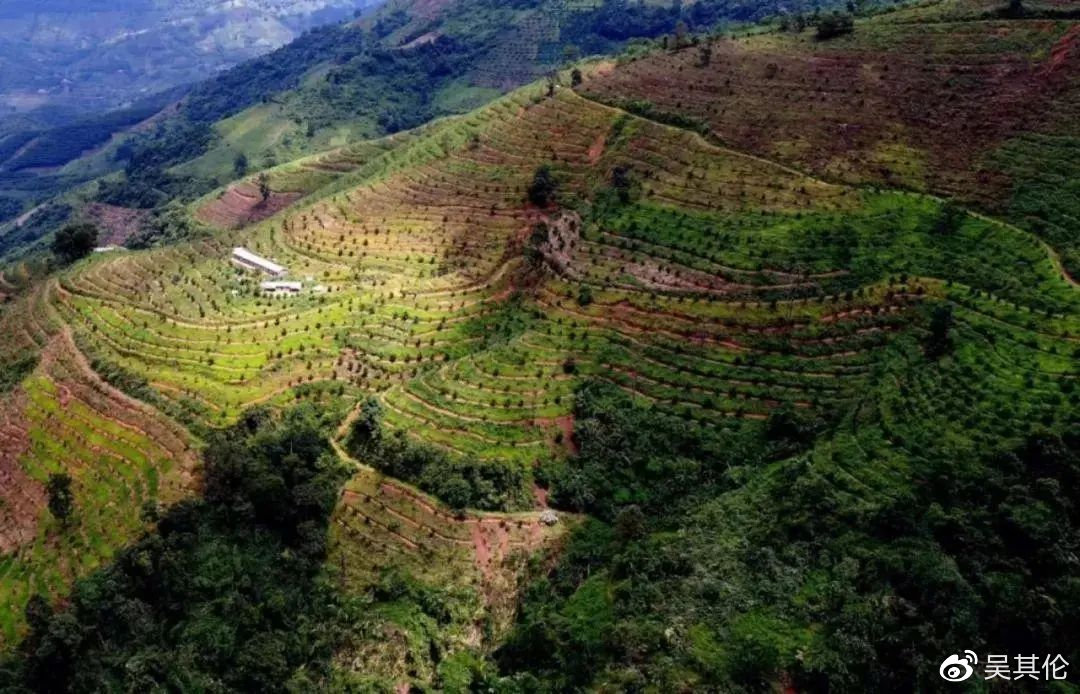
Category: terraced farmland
[416,262]
[120,453]
[478,561]
[712,284]
[951,107]
[242,203]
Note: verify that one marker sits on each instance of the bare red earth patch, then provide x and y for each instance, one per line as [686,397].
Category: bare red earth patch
[565,425]
[541,496]
[21,498]
[596,150]
[1068,47]
[241,204]
[893,106]
[116,224]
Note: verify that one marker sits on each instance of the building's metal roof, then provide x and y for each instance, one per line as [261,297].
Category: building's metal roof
[257,260]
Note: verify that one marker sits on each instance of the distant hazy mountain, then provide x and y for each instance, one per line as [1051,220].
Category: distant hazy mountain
[64,56]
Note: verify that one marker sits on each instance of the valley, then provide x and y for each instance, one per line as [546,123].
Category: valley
[82,57]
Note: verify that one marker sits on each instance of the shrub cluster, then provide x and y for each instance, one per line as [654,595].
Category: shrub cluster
[488,485]
[225,595]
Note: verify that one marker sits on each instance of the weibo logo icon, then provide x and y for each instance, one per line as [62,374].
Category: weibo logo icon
[958,668]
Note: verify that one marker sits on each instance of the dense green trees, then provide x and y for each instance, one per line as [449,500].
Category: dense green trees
[226,595]
[834,24]
[460,482]
[9,208]
[632,455]
[788,552]
[74,241]
[950,219]
[240,165]
[12,372]
[61,498]
[939,342]
[147,183]
[166,224]
[543,188]
[256,80]
[58,146]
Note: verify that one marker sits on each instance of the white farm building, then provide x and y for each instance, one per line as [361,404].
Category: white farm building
[250,261]
[281,287]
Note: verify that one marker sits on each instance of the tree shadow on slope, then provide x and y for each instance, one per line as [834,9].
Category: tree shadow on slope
[227,594]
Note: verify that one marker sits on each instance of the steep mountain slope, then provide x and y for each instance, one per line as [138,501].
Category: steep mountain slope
[404,65]
[826,430]
[962,108]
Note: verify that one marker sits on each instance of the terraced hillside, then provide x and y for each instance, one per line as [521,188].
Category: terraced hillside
[242,203]
[478,561]
[979,107]
[469,287]
[396,68]
[725,287]
[63,418]
[416,263]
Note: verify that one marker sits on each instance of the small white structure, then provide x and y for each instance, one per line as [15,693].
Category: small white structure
[106,249]
[249,261]
[281,287]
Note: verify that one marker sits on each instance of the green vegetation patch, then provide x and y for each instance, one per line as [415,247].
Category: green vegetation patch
[226,590]
[1046,195]
[462,482]
[13,371]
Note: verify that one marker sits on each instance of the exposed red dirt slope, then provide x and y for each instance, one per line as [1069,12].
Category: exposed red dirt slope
[21,498]
[115,224]
[241,204]
[910,105]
